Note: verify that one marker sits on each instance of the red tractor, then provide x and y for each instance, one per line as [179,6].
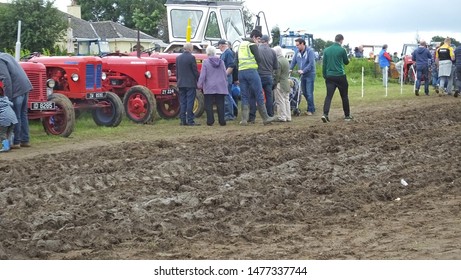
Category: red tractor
[142,83]
[409,70]
[54,109]
[80,79]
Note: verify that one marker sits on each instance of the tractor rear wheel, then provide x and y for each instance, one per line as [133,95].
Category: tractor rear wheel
[168,108]
[111,114]
[139,104]
[63,122]
[199,104]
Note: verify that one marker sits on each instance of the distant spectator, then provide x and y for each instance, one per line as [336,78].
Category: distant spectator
[384,62]
[444,57]
[421,56]
[458,70]
[395,57]
[358,52]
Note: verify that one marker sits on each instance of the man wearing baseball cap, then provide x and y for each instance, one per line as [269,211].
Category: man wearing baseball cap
[227,55]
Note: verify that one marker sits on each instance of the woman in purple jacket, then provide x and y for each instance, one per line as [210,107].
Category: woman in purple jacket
[213,82]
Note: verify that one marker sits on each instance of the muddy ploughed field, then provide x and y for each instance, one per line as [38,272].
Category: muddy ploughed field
[285,191]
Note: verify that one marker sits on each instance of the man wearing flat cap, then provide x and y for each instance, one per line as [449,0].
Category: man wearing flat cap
[266,67]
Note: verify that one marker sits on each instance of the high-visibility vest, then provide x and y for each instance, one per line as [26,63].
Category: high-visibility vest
[246,58]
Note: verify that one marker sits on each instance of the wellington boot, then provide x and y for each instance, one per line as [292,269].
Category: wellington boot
[245,115]
[263,113]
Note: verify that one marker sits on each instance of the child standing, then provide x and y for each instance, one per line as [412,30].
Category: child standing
[7,121]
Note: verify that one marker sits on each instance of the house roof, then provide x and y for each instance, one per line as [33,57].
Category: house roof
[107,30]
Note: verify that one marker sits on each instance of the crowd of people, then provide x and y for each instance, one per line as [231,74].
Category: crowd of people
[262,76]
[437,66]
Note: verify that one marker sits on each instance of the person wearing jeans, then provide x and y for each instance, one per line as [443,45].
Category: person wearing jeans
[422,56]
[304,58]
[334,60]
[16,87]
[187,73]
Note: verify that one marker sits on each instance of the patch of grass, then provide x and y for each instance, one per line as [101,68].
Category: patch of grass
[374,95]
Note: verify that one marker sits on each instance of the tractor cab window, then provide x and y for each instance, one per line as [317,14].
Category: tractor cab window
[234,27]
[288,42]
[212,27]
[179,20]
[104,47]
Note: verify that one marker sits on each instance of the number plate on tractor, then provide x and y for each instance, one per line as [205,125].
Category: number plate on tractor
[40,106]
[167,91]
[96,95]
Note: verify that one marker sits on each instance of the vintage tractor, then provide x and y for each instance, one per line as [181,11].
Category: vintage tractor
[409,69]
[54,109]
[141,83]
[80,79]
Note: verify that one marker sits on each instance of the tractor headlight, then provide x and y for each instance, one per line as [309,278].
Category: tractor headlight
[104,76]
[148,74]
[50,83]
[74,77]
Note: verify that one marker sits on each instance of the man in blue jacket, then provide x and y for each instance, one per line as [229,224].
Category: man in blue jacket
[384,59]
[187,73]
[305,59]
[422,56]
[16,87]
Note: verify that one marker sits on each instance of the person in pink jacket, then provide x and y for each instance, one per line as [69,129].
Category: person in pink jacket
[213,82]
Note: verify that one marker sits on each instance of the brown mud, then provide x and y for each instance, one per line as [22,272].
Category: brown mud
[286,191]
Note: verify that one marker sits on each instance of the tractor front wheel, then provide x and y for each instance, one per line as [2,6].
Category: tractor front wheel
[139,104]
[110,114]
[63,122]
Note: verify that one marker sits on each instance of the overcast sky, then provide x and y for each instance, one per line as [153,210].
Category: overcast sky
[392,22]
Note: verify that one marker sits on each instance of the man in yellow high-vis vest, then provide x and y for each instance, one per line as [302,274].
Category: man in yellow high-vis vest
[246,59]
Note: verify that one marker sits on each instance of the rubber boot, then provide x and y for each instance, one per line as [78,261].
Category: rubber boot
[5,146]
[263,112]
[245,114]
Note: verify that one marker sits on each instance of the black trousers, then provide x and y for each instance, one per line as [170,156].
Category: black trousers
[337,82]
[217,99]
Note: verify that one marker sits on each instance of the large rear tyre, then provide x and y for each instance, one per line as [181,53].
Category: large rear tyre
[168,108]
[63,122]
[199,104]
[139,104]
[111,113]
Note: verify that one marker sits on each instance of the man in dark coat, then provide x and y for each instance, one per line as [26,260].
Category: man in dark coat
[187,73]
[16,87]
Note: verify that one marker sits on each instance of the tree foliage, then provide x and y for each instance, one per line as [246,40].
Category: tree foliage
[441,39]
[148,16]
[42,25]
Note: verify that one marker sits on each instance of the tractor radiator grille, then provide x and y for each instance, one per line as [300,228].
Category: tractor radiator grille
[38,81]
[162,74]
[93,76]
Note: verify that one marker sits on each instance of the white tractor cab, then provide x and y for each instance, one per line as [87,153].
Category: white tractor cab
[287,42]
[211,21]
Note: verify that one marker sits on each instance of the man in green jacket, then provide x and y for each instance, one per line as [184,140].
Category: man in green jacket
[334,60]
